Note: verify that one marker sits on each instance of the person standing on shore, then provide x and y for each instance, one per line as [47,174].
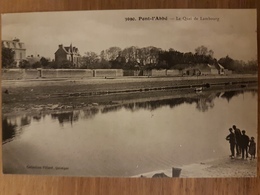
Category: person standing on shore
[232,141]
[244,144]
[252,147]
[238,140]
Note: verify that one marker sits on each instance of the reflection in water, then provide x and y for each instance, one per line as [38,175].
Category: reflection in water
[110,109]
[160,134]
[13,127]
[8,130]
[90,113]
[25,120]
[228,95]
[203,102]
[66,117]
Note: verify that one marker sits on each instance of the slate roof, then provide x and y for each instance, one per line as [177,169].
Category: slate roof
[14,44]
[69,49]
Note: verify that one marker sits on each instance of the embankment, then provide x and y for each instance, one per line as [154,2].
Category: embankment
[23,95]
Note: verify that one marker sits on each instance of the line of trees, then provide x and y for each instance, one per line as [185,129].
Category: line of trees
[131,58]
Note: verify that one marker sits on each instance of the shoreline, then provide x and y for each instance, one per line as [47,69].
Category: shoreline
[121,100]
[67,95]
[212,168]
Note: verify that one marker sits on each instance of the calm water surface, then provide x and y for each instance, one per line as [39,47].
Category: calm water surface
[129,139]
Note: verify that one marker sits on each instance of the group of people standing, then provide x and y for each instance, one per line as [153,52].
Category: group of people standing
[241,142]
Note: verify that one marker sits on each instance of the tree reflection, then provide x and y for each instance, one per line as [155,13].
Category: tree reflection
[204,101]
[111,108]
[204,104]
[228,95]
[8,130]
[37,117]
[90,113]
[64,117]
[25,120]
[12,127]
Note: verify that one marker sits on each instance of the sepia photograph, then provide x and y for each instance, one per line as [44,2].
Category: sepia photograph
[130,93]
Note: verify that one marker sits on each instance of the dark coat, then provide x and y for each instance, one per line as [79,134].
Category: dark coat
[231,138]
[252,148]
[244,141]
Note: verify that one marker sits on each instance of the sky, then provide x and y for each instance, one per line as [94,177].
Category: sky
[228,32]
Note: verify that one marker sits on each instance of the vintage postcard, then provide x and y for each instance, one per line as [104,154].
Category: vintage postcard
[130,93]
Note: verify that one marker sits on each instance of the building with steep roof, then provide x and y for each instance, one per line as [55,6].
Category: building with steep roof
[18,48]
[199,69]
[68,54]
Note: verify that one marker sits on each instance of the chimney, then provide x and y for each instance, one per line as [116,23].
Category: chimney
[60,46]
[16,39]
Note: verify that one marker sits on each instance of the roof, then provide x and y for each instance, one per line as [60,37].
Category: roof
[219,66]
[69,49]
[13,44]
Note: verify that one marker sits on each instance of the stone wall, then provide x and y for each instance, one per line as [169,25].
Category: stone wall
[132,73]
[30,74]
[12,74]
[66,73]
[158,73]
[17,74]
[172,72]
[108,73]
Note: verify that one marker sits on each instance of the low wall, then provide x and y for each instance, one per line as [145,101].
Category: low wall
[158,73]
[132,73]
[12,74]
[30,74]
[66,73]
[74,73]
[49,73]
[155,72]
[17,74]
[107,73]
[172,72]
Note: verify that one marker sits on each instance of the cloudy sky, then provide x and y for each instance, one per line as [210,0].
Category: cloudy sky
[229,32]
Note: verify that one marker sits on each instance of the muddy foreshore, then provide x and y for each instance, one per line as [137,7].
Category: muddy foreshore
[47,96]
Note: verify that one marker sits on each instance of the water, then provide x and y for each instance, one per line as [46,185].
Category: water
[130,139]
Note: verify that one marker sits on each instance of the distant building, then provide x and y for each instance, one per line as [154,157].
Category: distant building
[18,48]
[221,69]
[201,69]
[68,53]
[33,59]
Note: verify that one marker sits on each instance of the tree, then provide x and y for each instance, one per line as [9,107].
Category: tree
[65,64]
[204,55]
[118,63]
[37,65]
[44,62]
[25,64]
[252,66]
[110,54]
[103,64]
[202,50]
[90,60]
[53,65]
[227,62]
[7,58]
